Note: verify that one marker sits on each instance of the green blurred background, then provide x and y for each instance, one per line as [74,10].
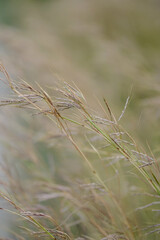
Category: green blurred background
[111,48]
[108,48]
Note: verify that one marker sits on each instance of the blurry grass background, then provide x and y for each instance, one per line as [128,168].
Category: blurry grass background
[108,48]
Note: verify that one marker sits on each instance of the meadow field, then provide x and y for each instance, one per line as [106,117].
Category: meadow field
[79,119]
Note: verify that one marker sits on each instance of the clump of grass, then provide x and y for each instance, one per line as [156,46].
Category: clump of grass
[98,204]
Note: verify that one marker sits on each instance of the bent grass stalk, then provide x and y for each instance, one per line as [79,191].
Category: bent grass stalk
[92,126]
[59,118]
[29,218]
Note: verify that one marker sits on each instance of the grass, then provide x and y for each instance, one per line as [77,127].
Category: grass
[78,166]
[107,188]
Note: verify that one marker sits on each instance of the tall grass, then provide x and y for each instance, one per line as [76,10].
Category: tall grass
[105,184]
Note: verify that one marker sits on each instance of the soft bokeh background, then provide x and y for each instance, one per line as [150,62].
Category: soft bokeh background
[111,48]
[108,48]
